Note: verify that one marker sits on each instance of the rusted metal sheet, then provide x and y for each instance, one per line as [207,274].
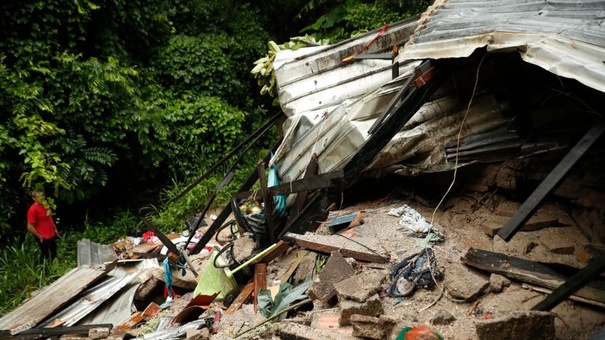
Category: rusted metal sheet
[563,37]
[50,299]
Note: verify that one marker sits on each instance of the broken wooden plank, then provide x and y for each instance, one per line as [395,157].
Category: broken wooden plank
[37,333]
[262,178]
[328,243]
[299,257]
[537,273]
[301,198]
[550,182]
[577,281]
[135,319]
[321,181]
[260,281]
[243,296]
[50,299]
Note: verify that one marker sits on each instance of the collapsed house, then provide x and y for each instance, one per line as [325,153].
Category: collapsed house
[503,95]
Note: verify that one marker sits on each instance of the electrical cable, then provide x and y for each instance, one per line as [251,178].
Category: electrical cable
[452,183]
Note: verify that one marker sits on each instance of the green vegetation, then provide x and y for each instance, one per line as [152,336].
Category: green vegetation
[114,107]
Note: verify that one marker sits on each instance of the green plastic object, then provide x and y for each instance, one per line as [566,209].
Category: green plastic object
[221,280]
[215,280]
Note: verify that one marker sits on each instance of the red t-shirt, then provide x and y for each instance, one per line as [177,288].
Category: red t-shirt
[42,220]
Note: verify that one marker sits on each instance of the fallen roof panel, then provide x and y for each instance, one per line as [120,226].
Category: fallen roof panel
[50,299]
[563,37]
[319,80]
[91,299]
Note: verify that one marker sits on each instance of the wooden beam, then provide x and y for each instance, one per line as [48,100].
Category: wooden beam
[242,298]
[581,278]
[529,207]
[546,275]
[326,244]
[262,178]
[321,181]
[37,333]
[260,281]
[299,257]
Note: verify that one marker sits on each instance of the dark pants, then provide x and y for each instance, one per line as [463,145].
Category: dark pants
[48,249]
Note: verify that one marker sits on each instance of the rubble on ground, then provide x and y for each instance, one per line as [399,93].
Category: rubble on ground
[347,298]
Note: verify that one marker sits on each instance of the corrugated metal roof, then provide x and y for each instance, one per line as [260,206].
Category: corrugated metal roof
[117,309]
[92,253]
[316,79]
[566,38]
[50,299]
[89,301]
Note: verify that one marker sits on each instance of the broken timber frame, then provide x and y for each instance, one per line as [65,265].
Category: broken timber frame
[579,280]
[584,284]
[529,207]
[550,182]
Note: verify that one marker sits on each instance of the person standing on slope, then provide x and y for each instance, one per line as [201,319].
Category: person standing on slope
[40,223]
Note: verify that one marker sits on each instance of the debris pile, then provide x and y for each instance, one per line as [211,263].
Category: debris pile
[360,274]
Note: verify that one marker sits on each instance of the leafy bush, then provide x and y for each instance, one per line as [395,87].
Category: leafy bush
[21,272]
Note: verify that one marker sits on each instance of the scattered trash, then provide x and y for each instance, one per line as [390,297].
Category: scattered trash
[168,278]
[411,219]
[418,333]
[414,271]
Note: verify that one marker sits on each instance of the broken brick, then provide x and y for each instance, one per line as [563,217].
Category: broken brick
[361,286]
[334,271]
[370,327]
[533,325]
[371,307]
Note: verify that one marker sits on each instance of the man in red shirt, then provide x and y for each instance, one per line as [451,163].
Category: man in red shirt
[40,223]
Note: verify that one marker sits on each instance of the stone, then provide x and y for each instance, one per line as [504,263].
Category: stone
[498,282]
[295,331]
[533,325]
[243,248]
[464,283]
[554,241]
[198,334]
[361,286]
[371,307]
[370,327]
[334,271]
[443,317]
[305,269]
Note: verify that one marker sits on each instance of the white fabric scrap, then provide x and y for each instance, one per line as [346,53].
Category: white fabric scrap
[411,219]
